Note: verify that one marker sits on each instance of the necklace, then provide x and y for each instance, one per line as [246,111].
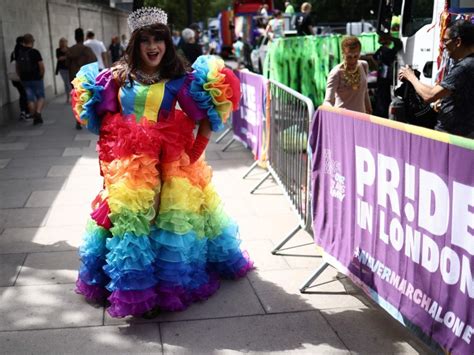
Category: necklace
[147,78]
[352,78]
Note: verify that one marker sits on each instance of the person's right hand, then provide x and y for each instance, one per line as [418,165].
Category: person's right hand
[406,73]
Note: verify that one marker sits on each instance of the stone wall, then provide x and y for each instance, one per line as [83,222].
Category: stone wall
[48,21]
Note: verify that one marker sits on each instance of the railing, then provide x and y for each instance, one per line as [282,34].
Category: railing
[288,125]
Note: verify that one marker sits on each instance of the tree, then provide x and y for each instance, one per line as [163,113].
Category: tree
[176,9]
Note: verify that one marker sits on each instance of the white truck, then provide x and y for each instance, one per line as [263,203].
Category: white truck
[420,27]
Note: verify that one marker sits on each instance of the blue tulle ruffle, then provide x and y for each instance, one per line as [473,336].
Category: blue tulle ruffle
[92,253]
[202,97]
[87,75]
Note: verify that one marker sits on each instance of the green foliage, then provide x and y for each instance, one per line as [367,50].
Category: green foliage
[178,14]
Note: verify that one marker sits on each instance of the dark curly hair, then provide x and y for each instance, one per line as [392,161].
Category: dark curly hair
[171,65]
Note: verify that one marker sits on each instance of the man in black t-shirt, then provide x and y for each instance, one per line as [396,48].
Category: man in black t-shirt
[456,114]
[303,21]
[30,69]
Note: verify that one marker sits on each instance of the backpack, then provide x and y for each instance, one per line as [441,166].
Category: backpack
[26,67]
[417,112]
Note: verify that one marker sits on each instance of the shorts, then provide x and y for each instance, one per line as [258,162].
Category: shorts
[34,90]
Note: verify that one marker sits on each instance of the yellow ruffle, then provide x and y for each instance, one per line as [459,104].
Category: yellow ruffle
[121,197]
[178,194]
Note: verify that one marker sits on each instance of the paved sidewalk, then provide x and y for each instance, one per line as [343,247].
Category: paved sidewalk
[49,175]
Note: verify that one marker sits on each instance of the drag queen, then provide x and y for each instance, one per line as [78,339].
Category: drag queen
[158,238]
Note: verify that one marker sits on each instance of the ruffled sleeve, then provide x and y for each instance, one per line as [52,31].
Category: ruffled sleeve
[93,95]
[215,89]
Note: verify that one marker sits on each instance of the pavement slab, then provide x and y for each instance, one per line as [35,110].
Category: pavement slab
[44,307]
[23,133]
[295,333]
[12,198]
[234,298]
[133,339]
[278,290]
[4,163]
[31,172]
[31,240]
[48,268]
[378,333]
[13,146]
[24,217]
[10,265]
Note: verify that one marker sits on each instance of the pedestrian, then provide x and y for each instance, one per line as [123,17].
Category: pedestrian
[77,56]
[456,111]
[276,26]
[123,43]
[16,81]
[176,37]
[189,48]
[385,57]
[30,69]
[98,48]
[303,21]
[238,49]
[158,239]
[347,82]
[264,14]
[61,66]
[289,9]
[115,49]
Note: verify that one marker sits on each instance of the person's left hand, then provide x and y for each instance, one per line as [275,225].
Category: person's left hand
[406,73]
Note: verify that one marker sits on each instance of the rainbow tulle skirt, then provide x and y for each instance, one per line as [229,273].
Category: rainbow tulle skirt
[158,237]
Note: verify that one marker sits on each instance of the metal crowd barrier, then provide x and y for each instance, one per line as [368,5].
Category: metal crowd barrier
[288,126]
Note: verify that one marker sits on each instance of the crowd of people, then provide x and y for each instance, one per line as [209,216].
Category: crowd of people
[347,83]
[451,109]
[26,70]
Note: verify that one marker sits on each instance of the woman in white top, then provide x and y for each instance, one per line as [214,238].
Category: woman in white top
[347,82]
[276,26]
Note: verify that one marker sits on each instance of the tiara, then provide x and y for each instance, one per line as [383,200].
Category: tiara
[146,16]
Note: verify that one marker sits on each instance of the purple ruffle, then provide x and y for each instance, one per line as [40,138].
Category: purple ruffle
[136,303]
[246,268]
[132,303]
[91,292]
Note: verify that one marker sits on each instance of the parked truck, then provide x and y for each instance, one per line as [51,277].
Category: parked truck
[421,26]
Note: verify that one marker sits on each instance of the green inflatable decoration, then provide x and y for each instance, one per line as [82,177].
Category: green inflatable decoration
[303,63]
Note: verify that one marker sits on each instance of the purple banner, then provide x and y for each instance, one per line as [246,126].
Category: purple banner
[247,122]
[394,209]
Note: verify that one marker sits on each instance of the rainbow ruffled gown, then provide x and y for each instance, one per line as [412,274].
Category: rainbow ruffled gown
[158,236]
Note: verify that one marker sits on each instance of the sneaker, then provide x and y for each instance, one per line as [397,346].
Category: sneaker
[22,115]
[78,126]
[28,116]
[37,119]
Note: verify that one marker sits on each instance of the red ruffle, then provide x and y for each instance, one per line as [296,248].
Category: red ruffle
[122,136]
[234,84]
